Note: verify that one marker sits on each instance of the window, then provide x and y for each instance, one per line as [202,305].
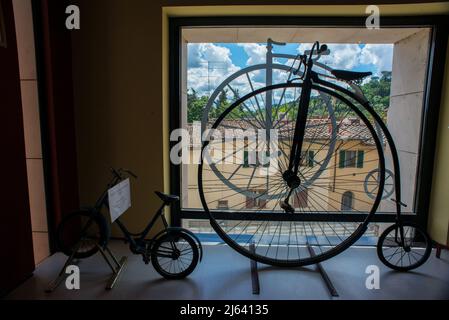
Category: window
[223,204]
[351,159]
[348,159]
[347,201]
[256,200]
[205,56]
[252,159]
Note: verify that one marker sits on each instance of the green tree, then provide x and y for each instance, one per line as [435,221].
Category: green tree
[223,98]
[195,106]
[377,91]
[221,105]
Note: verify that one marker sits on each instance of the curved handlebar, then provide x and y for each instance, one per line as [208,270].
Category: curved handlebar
[129,172]
[271,41]
[308,62]
[319,51]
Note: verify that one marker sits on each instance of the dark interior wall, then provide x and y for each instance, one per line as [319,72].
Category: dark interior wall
[118,102]
[16,244]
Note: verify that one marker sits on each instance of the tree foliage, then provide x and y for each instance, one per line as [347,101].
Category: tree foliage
[376,90]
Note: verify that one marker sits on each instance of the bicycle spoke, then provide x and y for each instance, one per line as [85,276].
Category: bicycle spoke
[332,127]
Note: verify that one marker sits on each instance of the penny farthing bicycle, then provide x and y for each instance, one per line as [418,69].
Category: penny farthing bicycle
[315,176]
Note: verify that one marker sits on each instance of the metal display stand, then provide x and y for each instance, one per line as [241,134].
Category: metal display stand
[255,275]
[108,256]
[330,286]
[440,247]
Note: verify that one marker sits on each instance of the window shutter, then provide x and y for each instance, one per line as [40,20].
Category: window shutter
[266,159]
[245,159]
[311,158]
[342,159]
[360,158]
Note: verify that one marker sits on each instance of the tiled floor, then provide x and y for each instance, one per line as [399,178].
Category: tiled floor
[224,274]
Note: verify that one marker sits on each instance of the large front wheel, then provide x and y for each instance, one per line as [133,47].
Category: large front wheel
[242,182]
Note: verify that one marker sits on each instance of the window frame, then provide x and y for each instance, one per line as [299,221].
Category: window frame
[438,25]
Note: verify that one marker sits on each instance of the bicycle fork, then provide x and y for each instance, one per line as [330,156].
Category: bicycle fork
[291,175]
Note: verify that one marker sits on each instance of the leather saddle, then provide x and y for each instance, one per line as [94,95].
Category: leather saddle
[350,75]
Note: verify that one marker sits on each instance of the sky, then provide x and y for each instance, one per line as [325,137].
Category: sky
[209,64]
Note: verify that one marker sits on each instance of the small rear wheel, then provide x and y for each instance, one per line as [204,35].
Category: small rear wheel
[174,255]
[404,255]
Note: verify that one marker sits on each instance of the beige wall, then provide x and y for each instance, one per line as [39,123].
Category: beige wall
[31,123]
[439,208]
[121,89]
[405,112]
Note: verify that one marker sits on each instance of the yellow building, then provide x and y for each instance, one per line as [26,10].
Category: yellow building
[332,180]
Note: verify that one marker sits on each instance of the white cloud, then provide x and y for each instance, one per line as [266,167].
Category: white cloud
[380,55]
[208,66]
[201,53]
[256,53]
[348,56]
[342,56]
[345,56]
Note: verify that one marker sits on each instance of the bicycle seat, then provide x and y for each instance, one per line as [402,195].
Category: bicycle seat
[167,198]
[350,75]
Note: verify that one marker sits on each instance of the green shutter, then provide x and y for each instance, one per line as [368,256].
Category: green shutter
[360,158]
[245,159]
[311,158]
[342,158]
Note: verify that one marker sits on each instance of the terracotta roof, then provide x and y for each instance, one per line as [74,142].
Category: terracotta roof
[318,129]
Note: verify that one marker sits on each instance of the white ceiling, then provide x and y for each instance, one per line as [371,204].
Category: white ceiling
[296,35]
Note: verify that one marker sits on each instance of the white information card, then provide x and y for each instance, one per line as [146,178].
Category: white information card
[119,199]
